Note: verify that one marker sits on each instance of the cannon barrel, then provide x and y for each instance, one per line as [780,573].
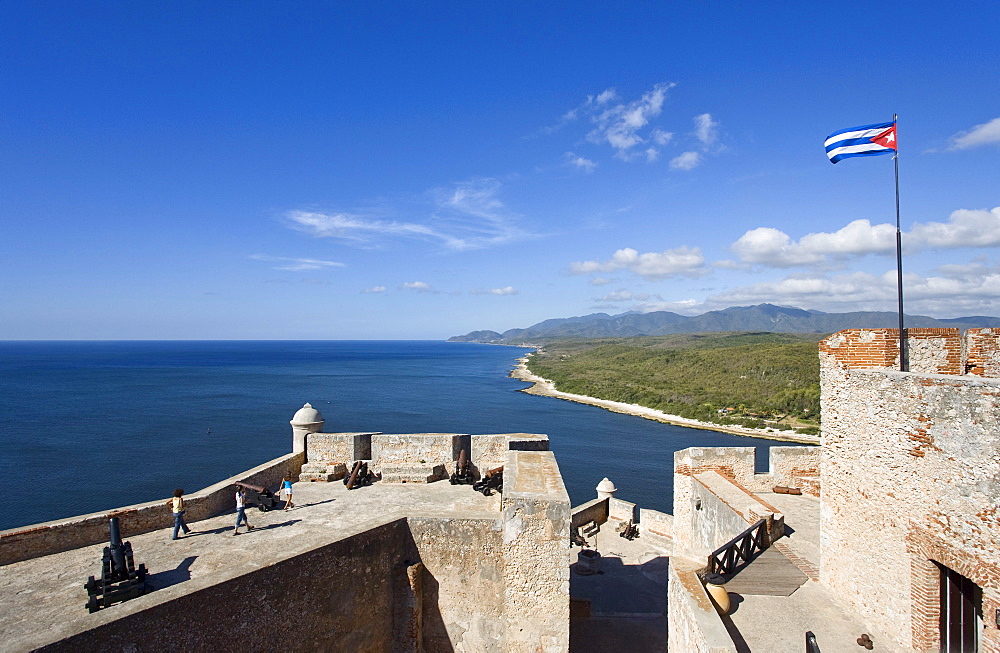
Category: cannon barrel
[117,546]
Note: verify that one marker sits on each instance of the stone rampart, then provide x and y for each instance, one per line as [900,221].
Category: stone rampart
[64,534]
[693,624]
[713,486]
[930,351]
[463,583]
[911,477]
[595,510]
[536,518]
[622,510]
[655,523]
[304,603]
[339,448]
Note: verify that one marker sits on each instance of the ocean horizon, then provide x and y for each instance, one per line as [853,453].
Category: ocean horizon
[88,426]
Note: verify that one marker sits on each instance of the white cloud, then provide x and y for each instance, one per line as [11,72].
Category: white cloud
[973,289]
[682,261]
[623,295]
[621,125]
[706,129]
[686,161]
[652,154]
[466,215]
[606,96]
[297,264]
[580,162]
[419,286]
[774,248]
[985,134]
[661,137]
[506,290]
[600,281]
[374,290]
[965,228]
[355,228]
[683,307]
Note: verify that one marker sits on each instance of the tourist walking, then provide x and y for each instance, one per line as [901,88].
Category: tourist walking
[241,512]
[286,488]
[177,507]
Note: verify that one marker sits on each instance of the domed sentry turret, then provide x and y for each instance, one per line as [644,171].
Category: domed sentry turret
[306,420]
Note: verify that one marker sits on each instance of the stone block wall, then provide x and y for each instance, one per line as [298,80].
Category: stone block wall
[911,476]
[595,510]
[339,448]
[463,583]
[693,624]
[412,448]
[536,522]
[622,510]
[64,534]
[655,523]
[697,532]
[303,603]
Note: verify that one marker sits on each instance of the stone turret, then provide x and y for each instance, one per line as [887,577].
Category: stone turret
[306,420]
[606,489]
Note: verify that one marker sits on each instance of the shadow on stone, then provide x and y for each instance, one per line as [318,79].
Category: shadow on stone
[181,573]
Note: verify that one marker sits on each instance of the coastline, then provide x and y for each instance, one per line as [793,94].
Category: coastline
[546,388]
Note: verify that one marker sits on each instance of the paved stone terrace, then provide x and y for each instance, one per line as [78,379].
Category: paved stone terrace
[628,600]
[44,598]
[778,624]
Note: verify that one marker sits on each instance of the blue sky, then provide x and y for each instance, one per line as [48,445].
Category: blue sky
[419,170]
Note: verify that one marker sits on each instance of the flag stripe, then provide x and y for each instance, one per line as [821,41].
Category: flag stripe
[838,157]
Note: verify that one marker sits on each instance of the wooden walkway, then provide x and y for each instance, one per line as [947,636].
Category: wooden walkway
[769,574]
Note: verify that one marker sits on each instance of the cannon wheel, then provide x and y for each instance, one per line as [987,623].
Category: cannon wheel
[92,605]
[261,507]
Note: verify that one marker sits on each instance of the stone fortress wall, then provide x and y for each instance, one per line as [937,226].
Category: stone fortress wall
[911,475]
[908,476]
[432,580]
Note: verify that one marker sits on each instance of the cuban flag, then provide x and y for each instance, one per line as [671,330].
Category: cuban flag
[867,140]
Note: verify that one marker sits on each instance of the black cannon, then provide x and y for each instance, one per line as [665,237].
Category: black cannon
[258,496]
[492,481]
[463,471]
[120,579]
[628,530]
[359,476]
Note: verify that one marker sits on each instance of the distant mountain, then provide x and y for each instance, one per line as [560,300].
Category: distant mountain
[762,317]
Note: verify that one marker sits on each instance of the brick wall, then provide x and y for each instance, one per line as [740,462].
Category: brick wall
[931,351]
[982,352]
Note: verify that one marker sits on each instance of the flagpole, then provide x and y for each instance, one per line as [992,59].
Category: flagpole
[904,358]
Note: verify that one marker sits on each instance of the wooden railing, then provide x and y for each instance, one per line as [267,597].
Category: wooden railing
[741,548]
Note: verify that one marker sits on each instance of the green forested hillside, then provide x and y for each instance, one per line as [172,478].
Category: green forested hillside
[726,378]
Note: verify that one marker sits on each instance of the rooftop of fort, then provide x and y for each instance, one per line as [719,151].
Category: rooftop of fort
[900,499]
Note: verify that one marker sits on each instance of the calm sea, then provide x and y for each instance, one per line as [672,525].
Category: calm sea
[88,426]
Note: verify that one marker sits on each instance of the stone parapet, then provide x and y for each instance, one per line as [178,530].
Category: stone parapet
[622,510]
[339,448]
[394,449]
[930,351]
[536,518]
[693,624]
[64,534]
[595,510]
[982,352]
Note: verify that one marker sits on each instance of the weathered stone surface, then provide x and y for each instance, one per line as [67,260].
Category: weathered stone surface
[911,476]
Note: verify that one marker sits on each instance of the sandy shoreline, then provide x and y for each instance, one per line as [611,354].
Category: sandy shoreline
[546,388]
